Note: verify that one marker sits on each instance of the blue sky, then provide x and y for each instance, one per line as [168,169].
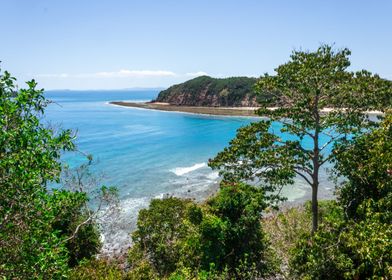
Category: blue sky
[117,44]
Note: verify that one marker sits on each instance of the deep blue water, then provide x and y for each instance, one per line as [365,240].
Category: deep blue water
[145,153]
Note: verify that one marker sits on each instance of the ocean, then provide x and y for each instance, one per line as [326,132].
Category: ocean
[145,153]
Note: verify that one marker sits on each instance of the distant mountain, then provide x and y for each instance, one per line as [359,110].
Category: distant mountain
[212,92]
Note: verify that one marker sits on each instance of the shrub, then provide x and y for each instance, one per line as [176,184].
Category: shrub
[235,234]
[35,223]
[73,223]
[343,249]
[355,239]
[162,231]
[29,159]
[366,163]
[283,229]
[221,239]
[322,255]
[96,270]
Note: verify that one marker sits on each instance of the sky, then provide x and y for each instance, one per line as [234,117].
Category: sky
[117,44]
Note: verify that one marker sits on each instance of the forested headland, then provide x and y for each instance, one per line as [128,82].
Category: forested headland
[212,92]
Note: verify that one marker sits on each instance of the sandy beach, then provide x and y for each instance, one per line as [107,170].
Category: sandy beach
[221,111]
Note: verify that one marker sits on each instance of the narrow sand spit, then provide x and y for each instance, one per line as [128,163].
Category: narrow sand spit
[223,111]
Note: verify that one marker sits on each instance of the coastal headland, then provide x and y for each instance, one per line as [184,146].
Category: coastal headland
[232,96]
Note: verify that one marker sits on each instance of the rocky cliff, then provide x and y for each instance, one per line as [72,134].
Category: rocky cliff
[211,92]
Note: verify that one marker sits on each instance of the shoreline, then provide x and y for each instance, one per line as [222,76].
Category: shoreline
[212,111]
[218,111]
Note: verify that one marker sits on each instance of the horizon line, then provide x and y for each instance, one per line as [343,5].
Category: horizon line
[108,89]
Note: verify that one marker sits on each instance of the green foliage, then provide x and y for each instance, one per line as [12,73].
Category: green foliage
[210,274]
[223,237]
[97,270]
[161,232]
[321,255]
[35,224]
[207,91]
[82,241]
[29,158]
[248,155]
[286,227]
[370,242]
[344,250]
[355,239]
[283,229]
[366,163]
[236,230]
[302,88]
[213,236]
[142,270]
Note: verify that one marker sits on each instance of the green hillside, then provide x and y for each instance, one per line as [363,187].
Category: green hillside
[207,91]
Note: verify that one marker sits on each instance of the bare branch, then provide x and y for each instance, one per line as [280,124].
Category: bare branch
[304,177]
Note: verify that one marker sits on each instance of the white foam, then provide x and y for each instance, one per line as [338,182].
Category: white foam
[116,228]
[213,175]
[179,171]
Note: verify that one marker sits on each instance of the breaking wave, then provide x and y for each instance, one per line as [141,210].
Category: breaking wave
[179,171]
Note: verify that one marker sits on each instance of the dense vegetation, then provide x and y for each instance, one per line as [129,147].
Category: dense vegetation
[43,233]
[235,234]
[207,91]
[179,239]
[355,238]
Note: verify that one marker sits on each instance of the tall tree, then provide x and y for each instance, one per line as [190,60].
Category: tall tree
[316,100]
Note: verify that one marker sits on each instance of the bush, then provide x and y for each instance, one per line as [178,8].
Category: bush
[322,255]
[96,270]
[162,233]
[355,238]
[220,239]
[283,229]
[29,159]
[36,224]
[366,163]
[73,223]
[142,270]
[235,234]
[343,249]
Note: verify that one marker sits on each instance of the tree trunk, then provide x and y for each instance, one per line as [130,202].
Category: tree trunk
[314,207]
[316,166]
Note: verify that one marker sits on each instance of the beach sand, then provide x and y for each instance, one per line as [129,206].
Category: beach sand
[220,111]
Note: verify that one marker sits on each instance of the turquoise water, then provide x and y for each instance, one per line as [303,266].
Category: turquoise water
[145,153]
[142,152]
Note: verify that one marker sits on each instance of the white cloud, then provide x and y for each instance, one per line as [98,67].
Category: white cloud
[196,74]
[117,74]
[135,74]
[63,75]
[125,78]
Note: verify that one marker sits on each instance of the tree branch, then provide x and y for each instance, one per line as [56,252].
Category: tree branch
[304,177]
